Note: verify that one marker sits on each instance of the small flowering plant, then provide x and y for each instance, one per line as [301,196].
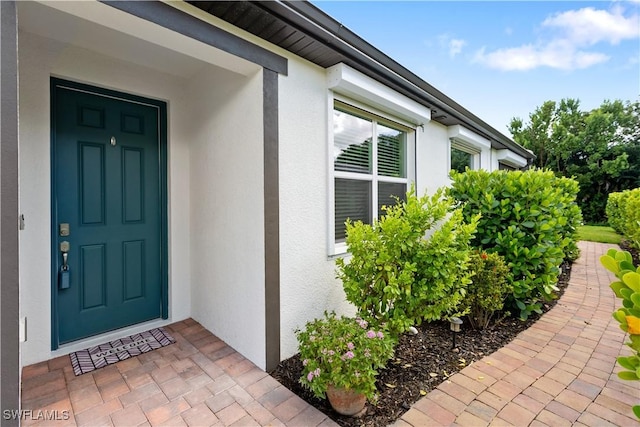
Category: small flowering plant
[343,352]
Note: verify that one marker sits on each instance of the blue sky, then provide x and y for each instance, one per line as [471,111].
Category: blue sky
[502,59]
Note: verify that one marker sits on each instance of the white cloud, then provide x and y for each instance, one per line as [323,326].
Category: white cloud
[454,46]
[589,26]
[570,46]
[557,55]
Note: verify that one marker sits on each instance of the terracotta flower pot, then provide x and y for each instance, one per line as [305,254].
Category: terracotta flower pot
[346,402]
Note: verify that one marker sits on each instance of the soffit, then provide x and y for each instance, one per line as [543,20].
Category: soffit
[100,28]
[257,19]
[309,33]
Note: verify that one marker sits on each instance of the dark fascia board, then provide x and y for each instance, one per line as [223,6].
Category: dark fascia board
[169,17]
[9,260]
[381,67]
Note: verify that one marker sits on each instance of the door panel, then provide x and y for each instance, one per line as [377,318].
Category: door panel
[107,186]
[92,196]
[133,260]
[132,185]
[93,283]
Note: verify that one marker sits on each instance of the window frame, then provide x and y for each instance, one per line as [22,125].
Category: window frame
[358,109]
[472,151]
[509,158]
[470,142]
[506,167]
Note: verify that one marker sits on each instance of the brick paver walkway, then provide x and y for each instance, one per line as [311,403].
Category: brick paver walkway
[199,381]
[562,371]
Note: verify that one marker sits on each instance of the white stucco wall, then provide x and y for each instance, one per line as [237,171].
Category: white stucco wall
[307,276]
[432,153]
[39,59]
[308,284]
[227,209]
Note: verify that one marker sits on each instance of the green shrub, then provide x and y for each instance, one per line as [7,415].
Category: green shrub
[488,289]
[623,211]
[627,288]
[531,219]
[396,275]
[571,211]
[614,209]
[632,217]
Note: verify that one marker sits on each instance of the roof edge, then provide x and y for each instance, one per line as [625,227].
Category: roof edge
[378,65]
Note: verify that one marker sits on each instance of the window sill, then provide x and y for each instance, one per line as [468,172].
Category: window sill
[338,250]
[335,256]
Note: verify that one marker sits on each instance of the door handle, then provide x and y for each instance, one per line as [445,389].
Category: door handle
[64,275]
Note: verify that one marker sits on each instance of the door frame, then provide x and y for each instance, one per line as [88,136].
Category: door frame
[162,127]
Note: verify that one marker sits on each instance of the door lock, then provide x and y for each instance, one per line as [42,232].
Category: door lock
[64,275]
[64,229]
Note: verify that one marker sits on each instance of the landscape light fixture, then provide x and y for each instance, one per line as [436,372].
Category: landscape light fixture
[454,323]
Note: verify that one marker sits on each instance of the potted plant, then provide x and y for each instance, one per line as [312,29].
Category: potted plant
[341,357]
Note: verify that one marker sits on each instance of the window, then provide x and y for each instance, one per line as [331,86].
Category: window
[505,167]
[467,149]
[369,166]
[460,160]
[508,160]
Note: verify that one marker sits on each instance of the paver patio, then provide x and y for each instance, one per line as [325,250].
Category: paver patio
[199,381]
[561,371]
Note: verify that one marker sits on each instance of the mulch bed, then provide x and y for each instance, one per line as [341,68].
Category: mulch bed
[421,363]
[635,254]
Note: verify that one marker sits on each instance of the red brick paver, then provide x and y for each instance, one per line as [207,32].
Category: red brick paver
[561,371]
[198,381]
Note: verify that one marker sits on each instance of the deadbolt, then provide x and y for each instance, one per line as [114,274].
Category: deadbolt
[64,229]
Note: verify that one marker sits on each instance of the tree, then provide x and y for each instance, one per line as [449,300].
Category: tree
[599,148]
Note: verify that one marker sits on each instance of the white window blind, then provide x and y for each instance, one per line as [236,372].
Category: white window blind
[391,152]
[370,166]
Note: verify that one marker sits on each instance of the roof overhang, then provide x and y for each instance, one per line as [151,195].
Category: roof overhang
[345,80]
[306,31]
[510,158]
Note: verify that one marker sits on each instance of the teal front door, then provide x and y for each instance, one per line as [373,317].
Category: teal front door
[109,210]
